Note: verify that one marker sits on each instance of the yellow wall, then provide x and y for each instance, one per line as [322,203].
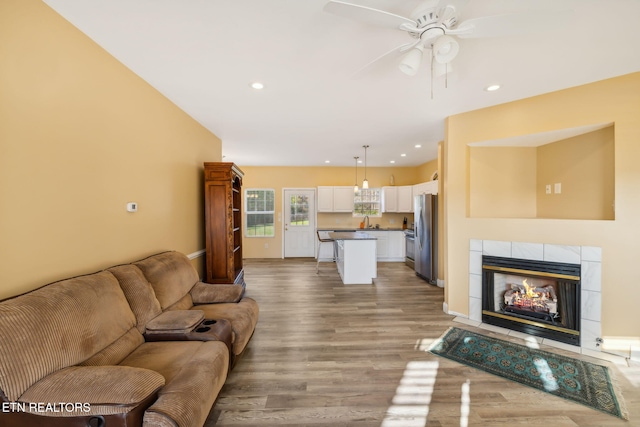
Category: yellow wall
[609,101]
[503,182]
[80,136]
[584,166]
[278,178]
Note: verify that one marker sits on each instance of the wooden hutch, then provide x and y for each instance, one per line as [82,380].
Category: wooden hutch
[223,222]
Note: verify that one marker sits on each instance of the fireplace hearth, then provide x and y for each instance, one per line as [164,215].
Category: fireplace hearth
[536,297]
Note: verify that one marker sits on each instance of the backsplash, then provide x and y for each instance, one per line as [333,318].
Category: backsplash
[347,220]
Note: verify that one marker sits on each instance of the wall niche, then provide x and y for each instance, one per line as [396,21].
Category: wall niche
[565,174]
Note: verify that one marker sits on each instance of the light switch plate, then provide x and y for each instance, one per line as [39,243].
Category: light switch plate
[557,188]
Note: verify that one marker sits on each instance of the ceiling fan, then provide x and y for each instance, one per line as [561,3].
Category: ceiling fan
[435,26]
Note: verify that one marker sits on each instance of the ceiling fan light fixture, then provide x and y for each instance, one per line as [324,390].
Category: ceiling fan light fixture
[411,61]
[445,49]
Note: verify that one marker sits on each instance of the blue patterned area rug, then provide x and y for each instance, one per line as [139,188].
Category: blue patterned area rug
[572,379]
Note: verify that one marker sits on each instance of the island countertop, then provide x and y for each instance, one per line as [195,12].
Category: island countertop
[351,235]
[359,230]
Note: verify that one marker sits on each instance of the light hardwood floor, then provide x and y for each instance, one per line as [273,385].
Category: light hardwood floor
[327,354]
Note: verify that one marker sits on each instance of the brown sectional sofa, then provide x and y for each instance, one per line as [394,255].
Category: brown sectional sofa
[73,353]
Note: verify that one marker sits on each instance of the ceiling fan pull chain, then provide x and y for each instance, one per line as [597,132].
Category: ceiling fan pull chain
[446,75]
[432,58]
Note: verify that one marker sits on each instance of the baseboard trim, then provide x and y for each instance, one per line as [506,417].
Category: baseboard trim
[197,254]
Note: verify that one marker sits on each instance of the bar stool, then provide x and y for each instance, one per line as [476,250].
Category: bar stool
[322,240]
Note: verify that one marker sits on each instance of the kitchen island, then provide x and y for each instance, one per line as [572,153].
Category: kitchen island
[355,256]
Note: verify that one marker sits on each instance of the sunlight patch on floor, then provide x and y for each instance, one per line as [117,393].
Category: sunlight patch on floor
[413,396]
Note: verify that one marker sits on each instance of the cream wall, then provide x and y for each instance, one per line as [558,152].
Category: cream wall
[80,136]
[614,100]
[278,177]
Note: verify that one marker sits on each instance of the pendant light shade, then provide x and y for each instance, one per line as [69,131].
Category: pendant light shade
[355,187]
[365,183]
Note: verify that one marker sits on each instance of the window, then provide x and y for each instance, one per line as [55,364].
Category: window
[366,202]
[299,215]
[260,212]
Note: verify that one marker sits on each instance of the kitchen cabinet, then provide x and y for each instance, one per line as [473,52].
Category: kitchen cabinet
[335,199]
[390,245]
[397,199]
[429,187]
[405,198]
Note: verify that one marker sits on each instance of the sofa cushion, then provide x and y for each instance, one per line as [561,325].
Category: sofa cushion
[57,326]
[177,321]
[243,317]
[207,293]
[194,373]
[171,275]
[102,390]
[139,293]
[118,350]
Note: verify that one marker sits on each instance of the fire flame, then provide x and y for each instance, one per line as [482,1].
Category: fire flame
[530,290]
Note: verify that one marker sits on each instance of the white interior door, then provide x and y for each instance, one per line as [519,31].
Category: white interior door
[299,223]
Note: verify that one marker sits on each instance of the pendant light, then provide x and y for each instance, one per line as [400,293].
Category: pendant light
[365,183]
[355,187]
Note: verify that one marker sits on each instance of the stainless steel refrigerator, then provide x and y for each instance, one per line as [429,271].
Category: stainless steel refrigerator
[425,213]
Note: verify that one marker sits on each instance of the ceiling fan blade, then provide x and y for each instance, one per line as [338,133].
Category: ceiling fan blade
[395,52]
[367,14]
[449,8]
[511,24]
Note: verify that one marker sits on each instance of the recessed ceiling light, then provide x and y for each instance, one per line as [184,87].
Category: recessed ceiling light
[327,161]
[392,161]
[491,88]
[359,161]
[403,155]
[257,85]
[417,145]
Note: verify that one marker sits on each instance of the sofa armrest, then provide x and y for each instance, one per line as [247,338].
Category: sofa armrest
[92,390]
[207,293]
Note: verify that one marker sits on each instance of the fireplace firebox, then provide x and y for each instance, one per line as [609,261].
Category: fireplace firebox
[535,297]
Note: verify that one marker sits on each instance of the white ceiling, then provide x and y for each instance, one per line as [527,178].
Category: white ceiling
[202,55]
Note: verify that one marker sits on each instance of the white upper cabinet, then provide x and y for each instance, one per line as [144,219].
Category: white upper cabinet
[335,199]
[389,199]
[397,199]
[405,198]
[343,199]
[325,199]
[430,187]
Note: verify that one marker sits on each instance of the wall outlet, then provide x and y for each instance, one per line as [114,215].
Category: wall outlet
[548,189]
[132,207]
[557,188]
[266,246]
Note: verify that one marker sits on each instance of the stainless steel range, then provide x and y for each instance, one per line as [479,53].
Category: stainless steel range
[410,248]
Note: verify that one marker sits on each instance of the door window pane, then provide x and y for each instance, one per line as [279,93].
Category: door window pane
[299,215]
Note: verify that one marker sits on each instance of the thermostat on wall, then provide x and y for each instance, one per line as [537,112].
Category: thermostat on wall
[132,207]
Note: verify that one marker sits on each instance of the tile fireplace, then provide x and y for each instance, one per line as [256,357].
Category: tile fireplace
[587,293]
